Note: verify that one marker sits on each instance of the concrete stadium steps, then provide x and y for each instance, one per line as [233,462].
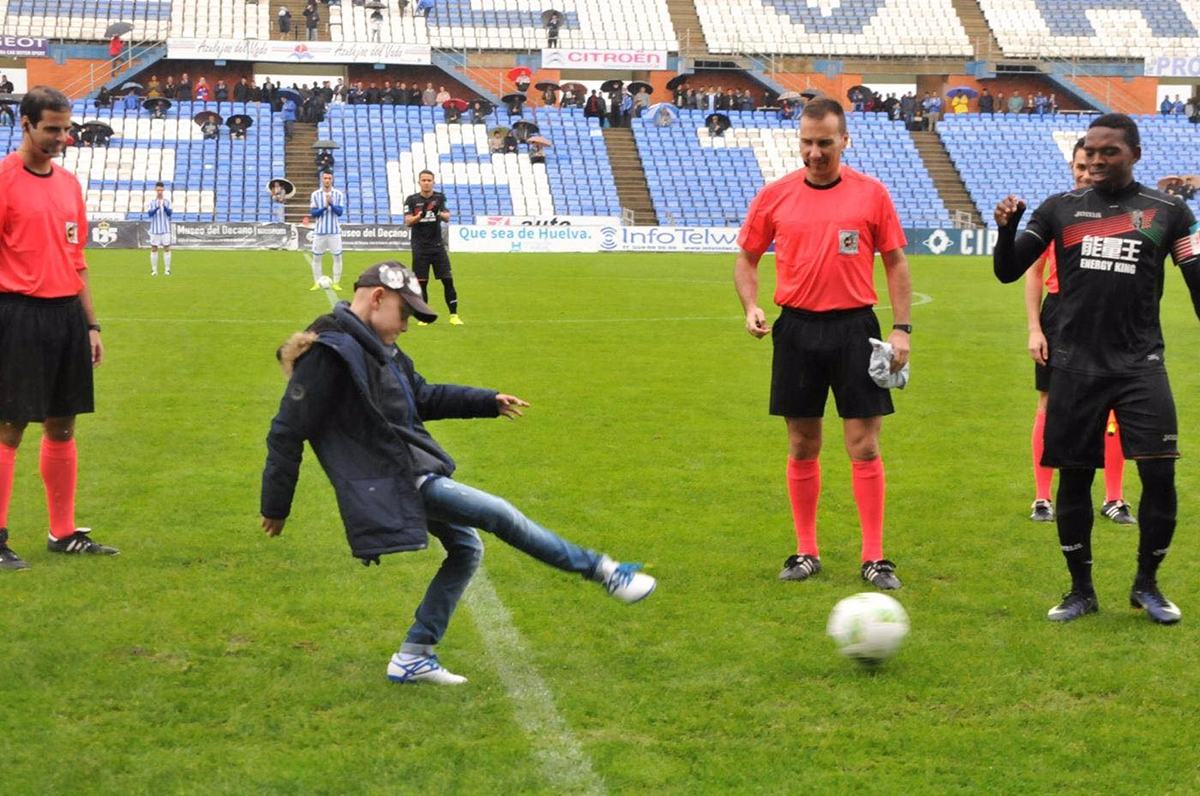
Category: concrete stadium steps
[686,21]
[983,40]
[946,177]
[299,157]
[298,30]
[632,189]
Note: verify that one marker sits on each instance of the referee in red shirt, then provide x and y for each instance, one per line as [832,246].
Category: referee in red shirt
[827,221]
[49,338]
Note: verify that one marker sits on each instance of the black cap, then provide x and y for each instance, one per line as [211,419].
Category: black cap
[395,276]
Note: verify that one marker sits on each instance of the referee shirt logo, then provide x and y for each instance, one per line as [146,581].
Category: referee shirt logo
[848,242]
[72,233]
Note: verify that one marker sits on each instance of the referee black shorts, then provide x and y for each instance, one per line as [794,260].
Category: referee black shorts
[1048,320]
[423,257]
[45,359]
[1077,412]
[816,351]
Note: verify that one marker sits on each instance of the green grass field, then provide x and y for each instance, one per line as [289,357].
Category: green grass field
[207,659]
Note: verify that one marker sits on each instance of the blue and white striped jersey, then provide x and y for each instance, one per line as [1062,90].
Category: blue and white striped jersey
[328,219]
[160,217]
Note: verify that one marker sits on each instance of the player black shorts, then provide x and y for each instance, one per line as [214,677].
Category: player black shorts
[1078,411]
[816,351]
[1048,320]
[423,257]
[45,359]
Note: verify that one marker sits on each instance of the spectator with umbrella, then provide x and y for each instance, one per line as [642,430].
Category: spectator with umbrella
[103,99]
[549,93]
[960,97]
[520,75]
[717,124]
[157,107]
[553,20]
[209,125]
[537,148]
[115,48]
[664,114]
[514,102]
[238,124]
[480,110]
[280,191]
[641,92]
[453,109]
[325,162]
[285,20]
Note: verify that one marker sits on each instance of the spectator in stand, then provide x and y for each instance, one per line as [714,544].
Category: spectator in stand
[641,101]
[184,90]
[933,110]
[1001,105]
[748,103]
[376,26]
[241,92]
[168,89]
[203,90]
[664,117]
[429,96]
[115,48]
[626,109]
[1052,104]
[959,103]
[103,99]
[443,96]
[594,107]
[285,20]
[1016,103]
[537,154]
[210,130]
[289,117]
[312,17]
[279,197]
[414,95]
[787,111]
[1041,104]
[908,108]
[326,91]
[387,95]
[552,25]
[339,91]
[374,95]
[987,103]
[6,85]
[221,92]
[549,98]
[325,162]
[1177,108]
[423,7]
[508,143]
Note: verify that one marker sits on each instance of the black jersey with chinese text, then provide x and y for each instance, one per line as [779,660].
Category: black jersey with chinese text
[427,232]
[1110,250]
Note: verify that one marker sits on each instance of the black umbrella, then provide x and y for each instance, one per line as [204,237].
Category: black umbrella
[548,13]
[117,29]
[239,120]
[522,130]
[99,127]
[157,105]
[130,86]
[498,132]
[481,107]
[812,93]
[515,98]
[678,80]
[290,93]
[546,85]
[609,86]
[375,4]
[721,121]
[325,143]
[577,88]
[204,116]
[639,85]
[858,93]
[289,190]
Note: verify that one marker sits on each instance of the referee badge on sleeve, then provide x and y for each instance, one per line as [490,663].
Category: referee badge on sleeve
[848,241]
[72,233]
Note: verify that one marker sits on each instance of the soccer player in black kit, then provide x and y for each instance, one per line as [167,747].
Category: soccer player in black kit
[1111,240]
[423,214]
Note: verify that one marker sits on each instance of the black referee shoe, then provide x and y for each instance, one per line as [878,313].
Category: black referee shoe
[1074,605]
[1158,608]
[79,542]
[9,559]
[800,567]
[881,574]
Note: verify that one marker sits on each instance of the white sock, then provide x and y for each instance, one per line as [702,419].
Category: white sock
[337,269]
[316,266]
[153,261]
[167,260]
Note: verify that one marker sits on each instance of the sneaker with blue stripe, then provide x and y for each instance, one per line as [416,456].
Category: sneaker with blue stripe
[624,581]
[405,668]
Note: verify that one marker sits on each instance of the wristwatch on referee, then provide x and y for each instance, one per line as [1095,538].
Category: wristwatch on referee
[903,327]
[93,327]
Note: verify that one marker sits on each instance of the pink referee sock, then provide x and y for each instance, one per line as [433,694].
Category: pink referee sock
[804,490]
[870,488]
[59,463]
[8,465]
[1043,477]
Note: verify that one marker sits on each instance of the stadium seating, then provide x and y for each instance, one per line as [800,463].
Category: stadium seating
[224,19]
[517,24]
[1094,28]
[223,180]
[853,27]
[699,180]
[383,147]
[82,20]
[349,22]
[1029,157]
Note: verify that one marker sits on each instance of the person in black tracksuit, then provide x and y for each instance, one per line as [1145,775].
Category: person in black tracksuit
[424,213]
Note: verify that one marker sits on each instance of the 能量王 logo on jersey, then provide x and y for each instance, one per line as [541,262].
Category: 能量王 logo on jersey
[848,241]
[938,242]
[1115,255]
[72,233]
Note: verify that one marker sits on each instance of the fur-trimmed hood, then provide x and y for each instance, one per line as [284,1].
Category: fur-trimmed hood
[296,346]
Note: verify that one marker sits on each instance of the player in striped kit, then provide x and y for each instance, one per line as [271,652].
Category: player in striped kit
[326,208]
[159,213]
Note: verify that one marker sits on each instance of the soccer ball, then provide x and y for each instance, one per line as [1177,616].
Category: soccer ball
[325,282]
[868,627]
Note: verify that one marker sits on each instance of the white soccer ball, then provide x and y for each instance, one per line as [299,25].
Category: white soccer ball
[325,282]
[868,627]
